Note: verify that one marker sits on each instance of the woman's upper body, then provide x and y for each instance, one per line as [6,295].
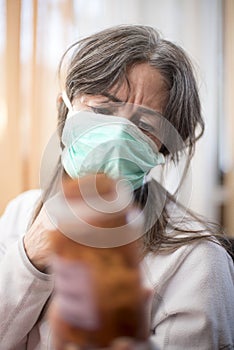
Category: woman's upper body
[192,305]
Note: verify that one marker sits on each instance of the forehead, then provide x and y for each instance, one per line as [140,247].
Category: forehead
[144,86]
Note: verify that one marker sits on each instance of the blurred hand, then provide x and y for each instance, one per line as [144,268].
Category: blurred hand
[129,344]
[118,344]
[37,242]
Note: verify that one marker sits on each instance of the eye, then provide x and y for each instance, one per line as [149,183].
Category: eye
[101,110]
[110,110]
[146,127]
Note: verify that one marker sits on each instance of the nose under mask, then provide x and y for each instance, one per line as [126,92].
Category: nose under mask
[96,143]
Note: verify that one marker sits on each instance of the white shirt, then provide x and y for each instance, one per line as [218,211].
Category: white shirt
[192,306]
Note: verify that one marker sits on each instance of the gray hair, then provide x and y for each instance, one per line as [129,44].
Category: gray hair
[102,60]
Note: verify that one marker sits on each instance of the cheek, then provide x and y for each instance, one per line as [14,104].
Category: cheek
[153,138]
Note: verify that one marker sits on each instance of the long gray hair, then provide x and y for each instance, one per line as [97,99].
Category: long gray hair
[101,62]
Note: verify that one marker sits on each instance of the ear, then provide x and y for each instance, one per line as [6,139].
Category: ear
[59,100]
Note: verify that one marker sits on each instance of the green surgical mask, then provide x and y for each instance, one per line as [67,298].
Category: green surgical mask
[96,143]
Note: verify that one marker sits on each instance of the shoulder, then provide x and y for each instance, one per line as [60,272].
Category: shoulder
[23,203]
[194,284]
[16,217]
[202,259]
[29,196]
[192,303]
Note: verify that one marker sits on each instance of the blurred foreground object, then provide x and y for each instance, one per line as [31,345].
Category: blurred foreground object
[98,291]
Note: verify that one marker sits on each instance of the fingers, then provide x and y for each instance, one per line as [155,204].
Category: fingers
[90,185]
[122,343]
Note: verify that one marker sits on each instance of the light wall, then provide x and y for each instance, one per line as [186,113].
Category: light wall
[228,117]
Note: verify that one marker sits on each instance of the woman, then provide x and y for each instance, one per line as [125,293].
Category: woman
[190,272]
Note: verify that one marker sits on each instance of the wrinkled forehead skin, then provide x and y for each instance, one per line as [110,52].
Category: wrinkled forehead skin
[146,88]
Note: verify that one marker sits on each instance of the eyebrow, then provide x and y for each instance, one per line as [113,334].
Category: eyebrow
[112,97]
[140,109]
[148,111]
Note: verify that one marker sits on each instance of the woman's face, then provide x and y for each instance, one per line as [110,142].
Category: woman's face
[147,89]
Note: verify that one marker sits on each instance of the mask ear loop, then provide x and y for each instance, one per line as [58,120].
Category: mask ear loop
[67,101]
[68,104]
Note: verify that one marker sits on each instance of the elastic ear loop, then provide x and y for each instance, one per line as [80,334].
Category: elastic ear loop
[67,101]
[68,104]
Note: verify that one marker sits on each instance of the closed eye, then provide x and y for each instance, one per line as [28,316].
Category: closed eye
[145,127]
[100,110]
[104,110]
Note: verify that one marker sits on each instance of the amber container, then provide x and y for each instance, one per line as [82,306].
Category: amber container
[98,291]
